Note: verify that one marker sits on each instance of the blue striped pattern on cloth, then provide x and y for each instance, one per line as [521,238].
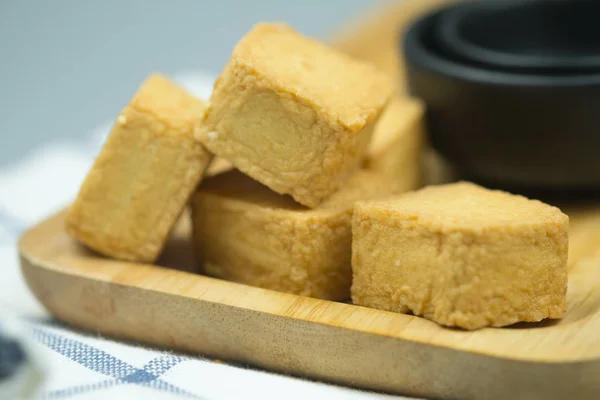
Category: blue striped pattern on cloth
[100,361]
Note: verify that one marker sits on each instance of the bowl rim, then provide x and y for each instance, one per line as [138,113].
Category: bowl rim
[449,32]
[416,53]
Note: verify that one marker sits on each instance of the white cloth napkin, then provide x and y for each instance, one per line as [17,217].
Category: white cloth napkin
[79,365]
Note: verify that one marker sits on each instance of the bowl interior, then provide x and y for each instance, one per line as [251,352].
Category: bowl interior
[522,34]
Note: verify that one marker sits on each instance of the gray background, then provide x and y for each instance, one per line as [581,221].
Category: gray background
[68,66]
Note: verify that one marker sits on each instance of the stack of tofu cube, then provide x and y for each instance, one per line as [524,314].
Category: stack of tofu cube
[295,139]
[307,132]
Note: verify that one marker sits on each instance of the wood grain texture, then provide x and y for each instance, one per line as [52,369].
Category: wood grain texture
[177,309]
[325,340]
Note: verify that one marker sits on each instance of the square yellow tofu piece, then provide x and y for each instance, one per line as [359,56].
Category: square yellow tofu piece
[461,255]
[294,114]
[247,233]
[396,148]
[144,175]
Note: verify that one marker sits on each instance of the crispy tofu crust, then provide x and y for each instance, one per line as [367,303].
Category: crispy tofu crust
[461,255]
[144,175]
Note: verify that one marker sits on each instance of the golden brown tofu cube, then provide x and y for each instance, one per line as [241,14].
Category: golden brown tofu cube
[245,232]
[398,139]
[292,113]
[144,175]
[461,255]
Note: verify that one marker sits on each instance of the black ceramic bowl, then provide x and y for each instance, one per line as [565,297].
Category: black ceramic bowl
[513,93]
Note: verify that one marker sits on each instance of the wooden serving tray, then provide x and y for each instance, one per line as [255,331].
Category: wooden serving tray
[320,339]
[168,307]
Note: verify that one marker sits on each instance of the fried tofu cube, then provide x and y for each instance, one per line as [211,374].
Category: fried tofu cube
[396,148]
[245,232]
[292,113]
[144,175]
[461,255]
